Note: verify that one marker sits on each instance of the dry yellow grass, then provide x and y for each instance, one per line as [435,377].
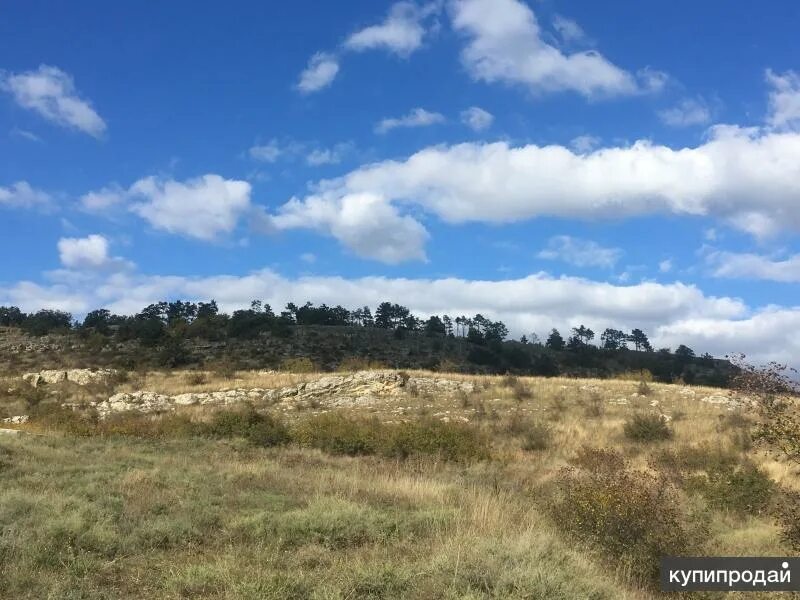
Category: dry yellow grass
[483,535]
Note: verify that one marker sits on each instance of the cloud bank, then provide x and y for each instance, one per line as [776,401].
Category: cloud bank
[670,313]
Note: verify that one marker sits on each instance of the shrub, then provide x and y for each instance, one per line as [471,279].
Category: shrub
[455,442]
[640,375]
[558,406]
[336,434]
[537,437]
[719,476]
[595,408]
[687,459]
[633,516]
[521,391]
[743,489]
[224,369]
[647,427]
[144,426]
[174,353]
[358,363]
[53,417]
[339,434]
[300,364]
[198,378]
[788,517]
[599,459]
[257,428]
[643,389]
[31,395]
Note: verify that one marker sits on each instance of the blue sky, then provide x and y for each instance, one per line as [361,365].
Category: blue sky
[548,163]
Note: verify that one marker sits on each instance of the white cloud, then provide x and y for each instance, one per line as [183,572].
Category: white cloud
[22,195]
[689,111]
[476,118]
[568,29]
[584,144]
[51,92]
[505,45]
[201,208]
[784,99]
[325,156]
[418,117]
[581,253]
[767,335]
[102,200]
[671,314]
[401,32]
[321,71]
[652,81]
[88,253]
[747,178]
[754,266]
[269,152]
[329,156]
[665,266]
[363,223]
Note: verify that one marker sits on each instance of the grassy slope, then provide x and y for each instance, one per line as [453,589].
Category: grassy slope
[130,518]
[139,519]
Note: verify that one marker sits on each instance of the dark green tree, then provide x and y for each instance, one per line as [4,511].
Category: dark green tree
[613,339]
[639,340]
[554,341]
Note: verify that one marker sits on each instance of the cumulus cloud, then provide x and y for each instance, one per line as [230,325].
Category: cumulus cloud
[671,314]
[747,178]
[88,253]
[102,200]
[364,223]
[581,253]
[418,117]
[401,32]
[476,118]
[689,111]
[735,265]
[665,266]
[784,99]
[51,93]
[201,208]
[22,195]
[505,44]
[321,71]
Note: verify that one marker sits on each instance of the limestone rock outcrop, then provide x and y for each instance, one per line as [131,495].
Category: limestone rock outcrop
[363,388]
[76,376]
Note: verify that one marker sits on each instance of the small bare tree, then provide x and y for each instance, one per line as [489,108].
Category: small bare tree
[775,396]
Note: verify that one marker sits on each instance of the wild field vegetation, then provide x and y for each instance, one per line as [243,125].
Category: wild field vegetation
[524,488]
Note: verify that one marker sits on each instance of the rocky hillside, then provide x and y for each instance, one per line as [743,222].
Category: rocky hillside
[328,348]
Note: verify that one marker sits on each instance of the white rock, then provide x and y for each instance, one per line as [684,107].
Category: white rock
[361,389]
[76,376]
[18,420]
[716,399]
